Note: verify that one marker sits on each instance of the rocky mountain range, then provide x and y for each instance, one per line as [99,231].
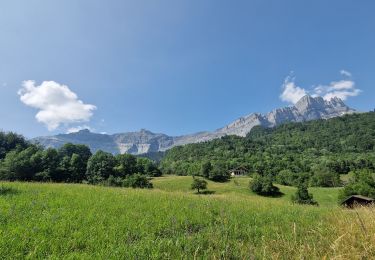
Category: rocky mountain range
[144,141]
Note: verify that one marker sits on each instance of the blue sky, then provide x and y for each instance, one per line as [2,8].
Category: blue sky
[176,66]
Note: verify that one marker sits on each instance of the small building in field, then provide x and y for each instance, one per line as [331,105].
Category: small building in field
[357,200]
[239,171]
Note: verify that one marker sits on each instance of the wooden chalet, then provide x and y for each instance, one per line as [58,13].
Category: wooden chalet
[357,200]
[239,171]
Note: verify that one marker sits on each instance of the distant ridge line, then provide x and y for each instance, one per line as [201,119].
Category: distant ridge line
[144,141]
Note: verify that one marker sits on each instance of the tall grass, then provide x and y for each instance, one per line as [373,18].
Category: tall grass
[5,190]
[86,222]
[355,232]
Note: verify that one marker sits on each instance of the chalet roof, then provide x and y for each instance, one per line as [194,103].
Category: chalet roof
[359,197]
[239,168]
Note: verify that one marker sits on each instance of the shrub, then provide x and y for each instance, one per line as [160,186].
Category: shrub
[263,185]
[287,177]
[114,181]
[137,181]
[148,167]
[363,184]
[219,173]
[323,177]
[302,196]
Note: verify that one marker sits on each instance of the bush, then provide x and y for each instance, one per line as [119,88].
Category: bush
[114,181]
[287,177]
[263,186]
[219,173]
[302,196]
[199,184]
[323,177]
[148,167]
[137,181]
[363,184]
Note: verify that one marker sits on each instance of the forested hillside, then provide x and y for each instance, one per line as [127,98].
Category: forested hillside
[319,150]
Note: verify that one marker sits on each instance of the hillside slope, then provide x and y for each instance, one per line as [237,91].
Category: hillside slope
[341,144]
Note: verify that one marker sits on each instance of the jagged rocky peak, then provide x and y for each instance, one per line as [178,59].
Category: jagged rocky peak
[281,115]
[337,102]
[312,108]
[243,120]
[241,126]
[308,102]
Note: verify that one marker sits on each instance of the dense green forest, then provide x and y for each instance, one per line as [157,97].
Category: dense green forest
[21,160]
[318,151]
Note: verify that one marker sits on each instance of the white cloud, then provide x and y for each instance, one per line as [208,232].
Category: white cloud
[57,104]
[345,73]
[291,92]
[76,129]
[342,89]
[342,85]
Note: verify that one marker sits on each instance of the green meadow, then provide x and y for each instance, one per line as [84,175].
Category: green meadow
[77,221]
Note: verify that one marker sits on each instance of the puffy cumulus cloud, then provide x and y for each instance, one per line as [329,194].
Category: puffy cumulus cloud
[56,103]
[342,89]
[291,92]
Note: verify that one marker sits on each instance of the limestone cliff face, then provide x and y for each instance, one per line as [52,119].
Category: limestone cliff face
[144,141]
[243,125]
[309,108]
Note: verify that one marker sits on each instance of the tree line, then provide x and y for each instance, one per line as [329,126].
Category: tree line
[23,161]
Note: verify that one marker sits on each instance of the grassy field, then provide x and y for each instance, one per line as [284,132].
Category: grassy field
[171,222]
[240,187]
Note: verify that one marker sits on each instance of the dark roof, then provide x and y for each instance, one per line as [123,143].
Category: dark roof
[239,168]
[358,197]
